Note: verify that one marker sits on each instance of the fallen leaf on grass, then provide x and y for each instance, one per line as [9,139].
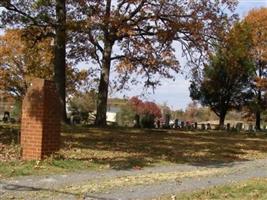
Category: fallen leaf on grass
[137,168]
[38,165]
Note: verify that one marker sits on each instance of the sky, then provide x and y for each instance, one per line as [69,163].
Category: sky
[175,93]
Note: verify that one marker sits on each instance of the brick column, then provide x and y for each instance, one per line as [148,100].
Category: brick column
[40,122]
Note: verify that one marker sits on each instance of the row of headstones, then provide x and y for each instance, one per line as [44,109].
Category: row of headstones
[208,126]
[228,127]
[241,126]
[182,125]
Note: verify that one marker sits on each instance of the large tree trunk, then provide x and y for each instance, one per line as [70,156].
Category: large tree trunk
[258,111]
[103,86]
[222,118]
[259,101]
[60,54]
[258,120]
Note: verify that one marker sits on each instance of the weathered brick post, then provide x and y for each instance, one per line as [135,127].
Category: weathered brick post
[40,122]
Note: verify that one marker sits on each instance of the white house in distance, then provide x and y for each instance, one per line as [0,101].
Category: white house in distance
[113,108]
[112,114]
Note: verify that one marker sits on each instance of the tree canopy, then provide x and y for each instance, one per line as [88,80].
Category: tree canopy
[143,33]
[225,83]
[131,38]
[257,21]
[21,60]
[49,19]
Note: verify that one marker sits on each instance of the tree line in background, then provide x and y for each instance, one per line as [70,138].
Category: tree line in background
[192,113]
[235,73]
[143,32]
[134,112]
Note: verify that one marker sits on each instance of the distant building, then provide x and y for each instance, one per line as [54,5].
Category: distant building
[114,107]
[7,103]
[111,117]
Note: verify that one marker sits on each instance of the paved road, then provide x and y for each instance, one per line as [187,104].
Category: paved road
[50,187]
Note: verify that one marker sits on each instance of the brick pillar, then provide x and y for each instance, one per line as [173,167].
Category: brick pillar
[40,122]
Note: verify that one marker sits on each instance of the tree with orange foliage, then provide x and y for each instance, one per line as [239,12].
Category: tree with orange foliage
[18,62]
[21,60]
[145,112]
[50,18]
[257,21]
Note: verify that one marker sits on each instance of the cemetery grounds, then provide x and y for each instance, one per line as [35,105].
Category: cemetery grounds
[124,163]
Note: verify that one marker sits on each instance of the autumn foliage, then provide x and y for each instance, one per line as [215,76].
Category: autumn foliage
[143,33]
[131,38]
[21,60]
[257,21]
[145,108]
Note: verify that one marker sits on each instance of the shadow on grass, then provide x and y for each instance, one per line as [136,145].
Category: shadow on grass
[9,134]
[127,148]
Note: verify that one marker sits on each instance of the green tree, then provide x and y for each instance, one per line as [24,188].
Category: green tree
[226,78]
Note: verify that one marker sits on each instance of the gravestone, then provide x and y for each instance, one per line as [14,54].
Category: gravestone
[158,123]
[208,126]
[167,120]
[40,122]
[182,124]
[250,128]
[203,127]
[6,117]
[136,121]
[239,127]
[195,125]
[187,125]
[228,127]
[176,123]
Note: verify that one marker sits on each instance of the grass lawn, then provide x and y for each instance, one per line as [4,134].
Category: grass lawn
[97,149]
[246,190]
